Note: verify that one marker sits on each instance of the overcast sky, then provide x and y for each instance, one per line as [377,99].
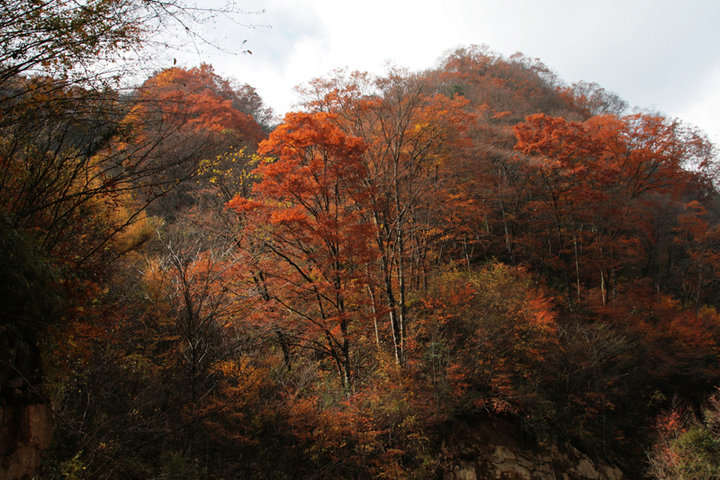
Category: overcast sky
[657,54]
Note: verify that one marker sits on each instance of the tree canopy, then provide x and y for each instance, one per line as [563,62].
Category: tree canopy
[192,292]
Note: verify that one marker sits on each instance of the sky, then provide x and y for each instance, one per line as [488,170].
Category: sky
[659,55]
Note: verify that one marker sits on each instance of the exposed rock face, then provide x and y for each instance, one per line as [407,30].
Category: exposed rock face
[25,433]
[504,464]
[493,452]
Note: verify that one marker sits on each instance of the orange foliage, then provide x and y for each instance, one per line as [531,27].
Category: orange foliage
[499,331]
[196,99]
[597,183]
[302,217]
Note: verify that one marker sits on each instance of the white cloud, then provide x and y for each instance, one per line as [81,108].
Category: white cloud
[704,109]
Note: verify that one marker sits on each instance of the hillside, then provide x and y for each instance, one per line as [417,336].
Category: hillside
[466,272]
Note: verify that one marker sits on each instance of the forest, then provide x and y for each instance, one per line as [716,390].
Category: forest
[193,288]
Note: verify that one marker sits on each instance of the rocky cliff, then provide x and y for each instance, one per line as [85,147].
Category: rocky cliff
[25,433]
[494,449]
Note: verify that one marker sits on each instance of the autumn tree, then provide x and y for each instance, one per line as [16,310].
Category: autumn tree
[73,200]
[599,182]
[180,118]
[491,333]
[591,99]
[410,133]
[698,237]
[207,307]
[514,86]
[500,91]
[687,444]
[69,41]
[79,173]
[190,285]
[301,217]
